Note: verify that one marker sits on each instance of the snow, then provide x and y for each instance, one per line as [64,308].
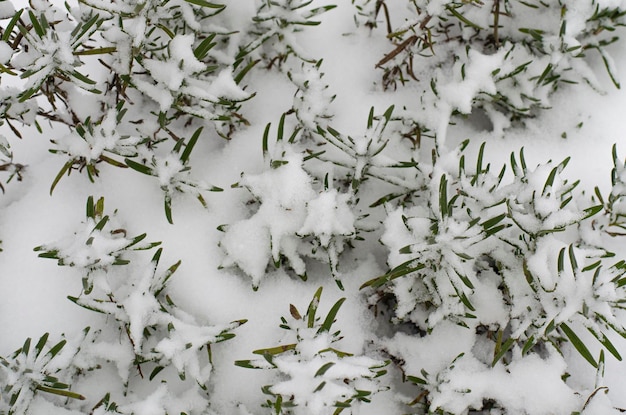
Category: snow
[599,403]
[328,215]
[283,193]
[160,402]
[303,381]
[180,73]
[490,306]
[278,232]
[6,52]
[464,383]
[43,406]
[247,244]
[434,8]
[224,86]
[7,10]
[459,94]
[469,382]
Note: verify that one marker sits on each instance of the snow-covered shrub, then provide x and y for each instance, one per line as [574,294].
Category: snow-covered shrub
[161,401]
[158,334]
[487,258]
[14,170]
[505,56]
[159,69]
[313,98]
[290,209]
[481,277]
[96,247]
[157,330]
[154,60]
[273,39]
[173,173]
[86,146]
[466,384]
[614,222]
[315,377]
[31,371]
[276,25]
[362,149]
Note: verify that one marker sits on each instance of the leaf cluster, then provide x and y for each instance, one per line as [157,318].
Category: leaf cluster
[332,388]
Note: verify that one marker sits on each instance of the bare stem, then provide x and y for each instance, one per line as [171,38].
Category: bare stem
[496,22]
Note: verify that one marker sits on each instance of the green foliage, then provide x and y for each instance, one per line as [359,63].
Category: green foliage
[8,166]
[613,205]
[31,370]
[173,174]
[315,376]
[489,236]
[53,45]
[532,49]
[276,21]
[97,246]
[297,216]
[361,149]
[512,261]
[155,333]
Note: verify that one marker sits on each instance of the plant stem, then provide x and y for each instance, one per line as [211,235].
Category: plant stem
[496,22]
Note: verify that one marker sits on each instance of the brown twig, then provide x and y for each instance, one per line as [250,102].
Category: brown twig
[422,25]
[496,22]
[408,42]
[382,4]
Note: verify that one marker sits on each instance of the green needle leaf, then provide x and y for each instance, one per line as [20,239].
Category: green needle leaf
[330,318]
[578,344]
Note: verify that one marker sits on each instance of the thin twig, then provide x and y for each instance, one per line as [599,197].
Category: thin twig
[410,41]
[496,22]
[386,11]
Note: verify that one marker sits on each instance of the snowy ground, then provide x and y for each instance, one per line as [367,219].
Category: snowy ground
[35,290]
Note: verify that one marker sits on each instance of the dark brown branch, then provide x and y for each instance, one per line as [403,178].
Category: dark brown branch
[408,42]
[496,22]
